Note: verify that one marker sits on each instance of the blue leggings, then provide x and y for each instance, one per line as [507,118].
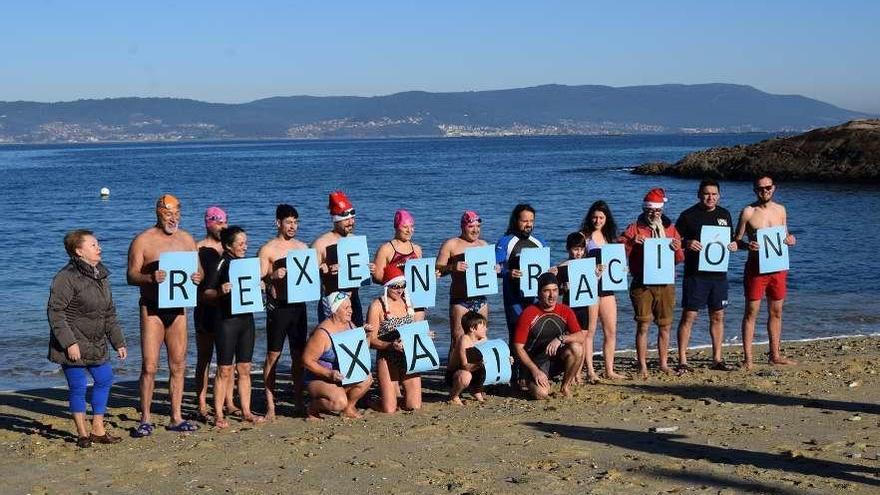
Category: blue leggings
[77,382]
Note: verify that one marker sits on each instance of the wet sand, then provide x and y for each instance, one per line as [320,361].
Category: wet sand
[811,428]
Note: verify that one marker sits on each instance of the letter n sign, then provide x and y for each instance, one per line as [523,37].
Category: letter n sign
[772,250]
[421,284]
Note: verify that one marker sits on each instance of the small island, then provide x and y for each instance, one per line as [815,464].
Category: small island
[846,153]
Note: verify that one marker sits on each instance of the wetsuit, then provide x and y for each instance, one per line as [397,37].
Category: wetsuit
[284,319]
[206,315]
[536,329]
[234,337]
[166,315]
[330,283]
[507,255]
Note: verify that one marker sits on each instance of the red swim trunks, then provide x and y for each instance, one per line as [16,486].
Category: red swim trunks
[756,285]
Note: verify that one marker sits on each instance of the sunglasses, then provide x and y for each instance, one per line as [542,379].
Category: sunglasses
[653,210]
[398,286]
[215,219]
[764,188]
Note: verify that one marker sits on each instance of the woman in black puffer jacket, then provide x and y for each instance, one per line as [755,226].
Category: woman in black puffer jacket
[82,317]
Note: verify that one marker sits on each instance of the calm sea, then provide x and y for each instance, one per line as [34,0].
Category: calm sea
[48,190]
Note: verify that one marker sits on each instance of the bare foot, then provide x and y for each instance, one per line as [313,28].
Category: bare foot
[456,401]
[643,373]
[351,413]
[565,391]
[313,414]
[594,378]
[254,419]
[666,369]
[747,365]
[270,415]
[579,379]
[221,424]
[614,376]
[782,361]
[479,397]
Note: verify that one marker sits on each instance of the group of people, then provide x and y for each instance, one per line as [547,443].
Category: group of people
[546,336]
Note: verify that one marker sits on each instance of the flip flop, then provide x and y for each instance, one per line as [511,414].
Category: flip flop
[183,427]
[143,430]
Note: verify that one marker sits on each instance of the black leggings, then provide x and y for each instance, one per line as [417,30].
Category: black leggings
[235,340]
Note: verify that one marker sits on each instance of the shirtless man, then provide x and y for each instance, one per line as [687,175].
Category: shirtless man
[761,214]
[342,214]
[160,325]
[450,261]
[283,319]
[205,315]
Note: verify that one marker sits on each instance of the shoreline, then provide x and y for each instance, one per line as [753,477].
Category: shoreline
[810,428]
[256,370]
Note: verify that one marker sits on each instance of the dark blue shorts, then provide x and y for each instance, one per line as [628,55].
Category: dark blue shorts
[699,292]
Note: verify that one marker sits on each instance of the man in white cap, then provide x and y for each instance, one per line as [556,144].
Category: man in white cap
[651,302]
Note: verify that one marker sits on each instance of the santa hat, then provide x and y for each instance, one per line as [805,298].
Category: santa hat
[656,198]
[393,275]
[340,207]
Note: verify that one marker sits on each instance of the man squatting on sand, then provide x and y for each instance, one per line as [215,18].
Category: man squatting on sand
[283,319]
[547,341]
[160,325]
[764,212]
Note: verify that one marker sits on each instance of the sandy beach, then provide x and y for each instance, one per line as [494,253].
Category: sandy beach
[812,428]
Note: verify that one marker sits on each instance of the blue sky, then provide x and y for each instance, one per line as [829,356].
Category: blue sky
[233,51]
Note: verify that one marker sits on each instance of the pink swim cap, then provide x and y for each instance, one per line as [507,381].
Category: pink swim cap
[403,217]
[469,217]
[214,214]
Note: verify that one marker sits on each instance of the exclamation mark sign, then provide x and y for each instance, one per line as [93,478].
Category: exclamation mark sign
[497,364]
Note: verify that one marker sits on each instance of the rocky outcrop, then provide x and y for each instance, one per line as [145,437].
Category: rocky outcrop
[846,153]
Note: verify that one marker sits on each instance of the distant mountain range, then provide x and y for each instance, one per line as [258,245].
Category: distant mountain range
[541,110]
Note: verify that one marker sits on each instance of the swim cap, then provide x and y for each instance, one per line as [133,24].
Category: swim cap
[392,275]
[214,215]
[340,206]
[167,202]
[470,217]
[334,299]
[403,217]
[656,198]
[546,279]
